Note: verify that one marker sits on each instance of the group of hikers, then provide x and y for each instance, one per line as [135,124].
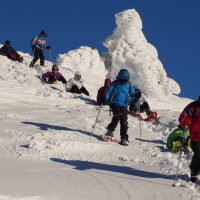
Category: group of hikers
[123,98]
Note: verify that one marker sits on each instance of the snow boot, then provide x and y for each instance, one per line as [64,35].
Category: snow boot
[124,142]
[109,137]
[195,178]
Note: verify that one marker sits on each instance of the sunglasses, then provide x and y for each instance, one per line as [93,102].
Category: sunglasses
[55,69]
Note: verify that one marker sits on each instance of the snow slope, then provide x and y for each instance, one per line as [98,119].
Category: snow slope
[48,149]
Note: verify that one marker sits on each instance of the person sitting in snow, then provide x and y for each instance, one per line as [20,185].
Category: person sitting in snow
[75,85]
[178,139]
[102,91]
[8,51]
[38,43]
[190,118]
[53,76]
[140,105]
[117,96]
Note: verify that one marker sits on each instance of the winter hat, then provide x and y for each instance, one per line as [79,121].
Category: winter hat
[107,82]
[123,75]
[7,42]
[55,67]
[43,33]
[77,73]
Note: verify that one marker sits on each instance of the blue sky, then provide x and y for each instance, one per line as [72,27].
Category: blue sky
[172,26]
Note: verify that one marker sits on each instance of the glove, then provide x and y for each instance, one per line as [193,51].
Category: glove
[48,47]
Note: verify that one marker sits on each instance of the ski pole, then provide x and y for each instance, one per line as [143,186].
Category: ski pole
[179,158]
[95,122]
[139,118]
[50,55]
[140,129]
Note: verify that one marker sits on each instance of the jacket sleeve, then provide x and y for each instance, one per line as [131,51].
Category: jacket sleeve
[185,118]
[68,85]
[45,76]
[2,51]
[132,91]
[15,52]
[62,79]
[109,90]
[34,40]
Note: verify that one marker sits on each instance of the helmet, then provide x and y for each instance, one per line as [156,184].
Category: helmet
[123,75]
[55,67]
[43,33]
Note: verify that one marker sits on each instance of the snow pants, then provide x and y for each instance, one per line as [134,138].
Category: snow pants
[135,107]
[195,163]
[38,54]
[75,89]
[119,114]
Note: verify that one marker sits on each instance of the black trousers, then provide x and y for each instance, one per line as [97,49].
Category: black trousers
[135,107]
[75,89]
[38,54]
[119,114]
[195,164]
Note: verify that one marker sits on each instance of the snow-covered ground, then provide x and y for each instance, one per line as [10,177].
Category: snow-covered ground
[48,149]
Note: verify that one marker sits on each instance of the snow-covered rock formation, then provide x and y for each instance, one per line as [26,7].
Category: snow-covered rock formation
[128,48]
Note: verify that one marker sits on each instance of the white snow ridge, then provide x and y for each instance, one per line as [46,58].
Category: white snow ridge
[128,47]
[48,149]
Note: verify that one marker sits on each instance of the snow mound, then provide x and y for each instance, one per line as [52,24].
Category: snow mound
[128,48]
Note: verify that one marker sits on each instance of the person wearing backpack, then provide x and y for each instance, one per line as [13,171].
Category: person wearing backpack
[190,118]
[117,96]
[8,51]
[39,43]
[102,91]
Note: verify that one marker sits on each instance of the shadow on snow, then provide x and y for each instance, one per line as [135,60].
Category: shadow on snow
[86,165]
[46,127]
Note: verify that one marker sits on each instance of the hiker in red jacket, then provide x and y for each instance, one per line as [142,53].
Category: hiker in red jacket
[102,91]
[190,118]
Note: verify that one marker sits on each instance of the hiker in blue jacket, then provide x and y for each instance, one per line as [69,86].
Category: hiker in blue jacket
[39,43]
[117,96]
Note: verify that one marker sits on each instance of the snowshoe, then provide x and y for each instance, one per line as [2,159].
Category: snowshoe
[108,138]
[151,117]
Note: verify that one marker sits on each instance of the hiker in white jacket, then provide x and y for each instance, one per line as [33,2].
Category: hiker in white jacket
[75,85]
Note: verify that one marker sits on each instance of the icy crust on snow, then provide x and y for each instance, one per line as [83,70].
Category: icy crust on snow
[128,48]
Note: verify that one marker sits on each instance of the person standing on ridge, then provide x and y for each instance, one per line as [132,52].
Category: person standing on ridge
[117,96]
[190,118]
[38,43]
